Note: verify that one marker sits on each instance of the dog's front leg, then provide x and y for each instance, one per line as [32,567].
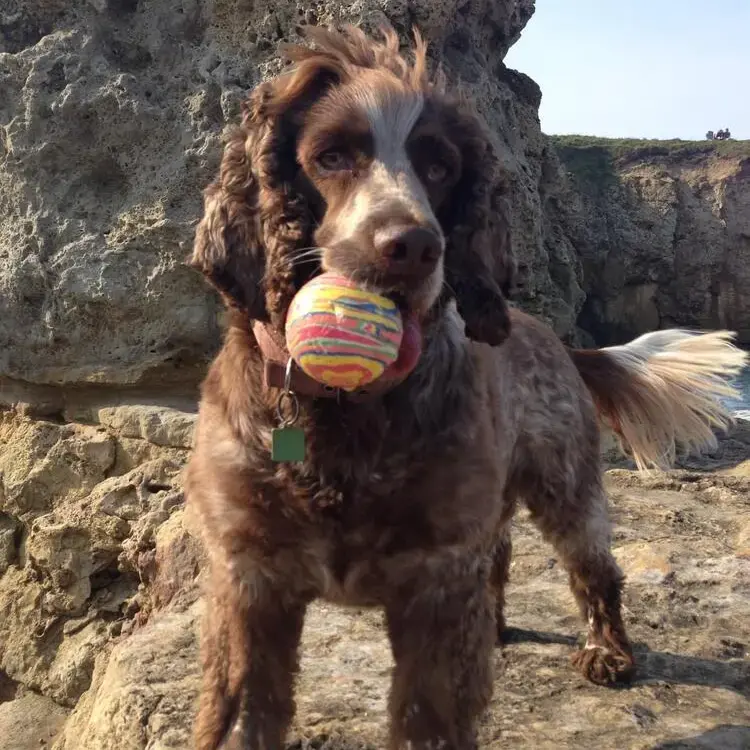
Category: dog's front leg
[249,650]
[442,631]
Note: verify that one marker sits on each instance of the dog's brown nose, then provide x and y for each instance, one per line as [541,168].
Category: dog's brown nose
[408,252]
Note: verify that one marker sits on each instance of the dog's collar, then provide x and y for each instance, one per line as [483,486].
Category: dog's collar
[276,361]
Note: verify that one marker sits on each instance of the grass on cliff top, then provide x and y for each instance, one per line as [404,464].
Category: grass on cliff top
[593,159]
[640,147]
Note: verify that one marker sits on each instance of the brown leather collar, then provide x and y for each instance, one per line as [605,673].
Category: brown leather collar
[276,359]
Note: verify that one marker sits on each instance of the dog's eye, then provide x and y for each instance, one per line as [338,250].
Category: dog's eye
[334,161]
[437,172]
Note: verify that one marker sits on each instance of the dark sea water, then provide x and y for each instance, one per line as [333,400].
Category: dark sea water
[741,406]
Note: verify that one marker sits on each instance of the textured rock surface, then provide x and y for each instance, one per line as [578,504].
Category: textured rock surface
[78,539]
[30,722]
[110,120]
[663,234]
[687,608]
[99,607]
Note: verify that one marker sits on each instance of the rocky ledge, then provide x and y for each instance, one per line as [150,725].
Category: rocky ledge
[100,607]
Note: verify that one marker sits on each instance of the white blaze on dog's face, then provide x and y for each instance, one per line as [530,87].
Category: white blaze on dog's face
[391,180]
[382,167]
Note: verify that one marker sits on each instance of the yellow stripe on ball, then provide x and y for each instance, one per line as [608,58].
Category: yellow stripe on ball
[340,335]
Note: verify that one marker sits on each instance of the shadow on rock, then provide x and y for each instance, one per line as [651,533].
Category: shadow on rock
[328,742]
[520,635]
[724,737]
[660,665]
[692,670]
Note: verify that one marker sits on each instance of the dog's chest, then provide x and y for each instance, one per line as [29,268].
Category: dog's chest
[384,498]
[380,535]
[360,568]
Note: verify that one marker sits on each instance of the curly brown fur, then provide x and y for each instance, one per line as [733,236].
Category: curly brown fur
[265,209]
[403,501]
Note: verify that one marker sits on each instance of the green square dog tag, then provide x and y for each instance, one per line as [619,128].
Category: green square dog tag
[288,444]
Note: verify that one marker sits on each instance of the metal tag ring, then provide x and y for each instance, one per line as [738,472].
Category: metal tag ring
[288,375]
[294,405]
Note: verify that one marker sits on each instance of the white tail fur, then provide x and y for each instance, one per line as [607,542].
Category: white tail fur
[675,380]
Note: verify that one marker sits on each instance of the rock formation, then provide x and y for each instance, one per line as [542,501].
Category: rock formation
[111,114]
[664,234]
[99,608]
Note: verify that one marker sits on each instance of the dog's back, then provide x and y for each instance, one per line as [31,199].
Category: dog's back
[660,393]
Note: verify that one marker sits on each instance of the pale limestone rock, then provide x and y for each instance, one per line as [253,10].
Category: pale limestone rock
[42,462]
[154,424]
[742,540]
[83,541]
[131,453]
[30,722]
[111,120]
[644,562]
[8,534]
[143,694]
[685,607]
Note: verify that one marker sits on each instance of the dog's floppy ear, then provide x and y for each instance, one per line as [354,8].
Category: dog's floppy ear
[254,217]
[479,263]
[482,274]
[228,246]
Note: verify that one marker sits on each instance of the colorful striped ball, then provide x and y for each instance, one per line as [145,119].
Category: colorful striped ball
[340,335]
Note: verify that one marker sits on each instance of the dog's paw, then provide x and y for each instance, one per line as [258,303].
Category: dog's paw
[604,666]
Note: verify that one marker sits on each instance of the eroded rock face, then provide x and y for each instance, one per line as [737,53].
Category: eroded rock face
[78,533]
[664,237]
[100,608]
[110,120]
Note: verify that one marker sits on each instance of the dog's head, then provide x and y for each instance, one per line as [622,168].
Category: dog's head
[358,162]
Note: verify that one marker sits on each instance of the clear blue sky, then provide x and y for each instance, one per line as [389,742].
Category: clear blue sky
[639,68]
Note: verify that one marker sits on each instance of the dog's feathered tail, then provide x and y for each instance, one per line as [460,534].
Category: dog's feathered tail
[662,391]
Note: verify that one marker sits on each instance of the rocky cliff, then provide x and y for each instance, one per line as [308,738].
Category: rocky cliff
[663,234]
[111,114]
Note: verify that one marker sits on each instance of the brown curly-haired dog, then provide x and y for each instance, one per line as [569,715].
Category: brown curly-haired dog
[356,161]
